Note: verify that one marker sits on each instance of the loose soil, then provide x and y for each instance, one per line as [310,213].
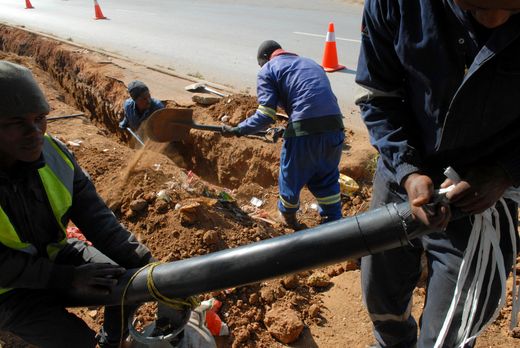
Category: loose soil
[322,307]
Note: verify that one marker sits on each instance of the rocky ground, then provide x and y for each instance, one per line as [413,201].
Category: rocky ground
[172,197]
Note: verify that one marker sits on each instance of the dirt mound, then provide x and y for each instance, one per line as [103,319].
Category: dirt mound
[236,107]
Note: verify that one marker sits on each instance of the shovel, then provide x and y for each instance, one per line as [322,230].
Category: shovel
[136,137]
[167,125]
[200,87]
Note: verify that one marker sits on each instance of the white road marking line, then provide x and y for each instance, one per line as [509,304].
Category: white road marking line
[324,36]
[135,11]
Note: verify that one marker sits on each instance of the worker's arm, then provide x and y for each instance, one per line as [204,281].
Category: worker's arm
[265,115]
[382,100]
[156,105]
[22,270]
[123,124]
[97,222]
[127,111]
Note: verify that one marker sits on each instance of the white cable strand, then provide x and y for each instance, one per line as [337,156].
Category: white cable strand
[485,235]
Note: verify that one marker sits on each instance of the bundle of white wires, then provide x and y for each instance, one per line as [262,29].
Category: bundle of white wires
[484,257]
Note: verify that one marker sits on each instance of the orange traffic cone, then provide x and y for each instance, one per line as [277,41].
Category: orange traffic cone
[330,55]
[97,11]
[28,5]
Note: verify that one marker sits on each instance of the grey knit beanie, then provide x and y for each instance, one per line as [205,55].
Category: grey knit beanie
[136,88]
[19,91]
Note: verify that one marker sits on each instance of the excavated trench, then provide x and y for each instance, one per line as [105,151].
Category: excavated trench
[90,86]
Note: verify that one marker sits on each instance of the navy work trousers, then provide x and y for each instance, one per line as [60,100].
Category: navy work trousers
[389,278]
[311,160]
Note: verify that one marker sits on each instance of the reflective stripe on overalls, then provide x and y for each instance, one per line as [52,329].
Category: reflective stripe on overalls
[57,177]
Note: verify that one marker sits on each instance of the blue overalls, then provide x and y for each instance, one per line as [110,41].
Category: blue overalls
[314,136]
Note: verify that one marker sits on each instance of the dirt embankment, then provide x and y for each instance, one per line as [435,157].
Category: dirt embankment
[171,197]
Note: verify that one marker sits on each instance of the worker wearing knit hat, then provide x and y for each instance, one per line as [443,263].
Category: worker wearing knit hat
[139,106]
[42,188]
[23,109]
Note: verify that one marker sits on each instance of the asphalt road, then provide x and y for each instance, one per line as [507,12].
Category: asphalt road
[215,40]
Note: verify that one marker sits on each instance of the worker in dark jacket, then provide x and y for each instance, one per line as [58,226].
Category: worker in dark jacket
[139,106]
[314,136]
[42,188]
[440,88]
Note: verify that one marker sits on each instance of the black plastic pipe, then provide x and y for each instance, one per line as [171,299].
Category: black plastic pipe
[388,227]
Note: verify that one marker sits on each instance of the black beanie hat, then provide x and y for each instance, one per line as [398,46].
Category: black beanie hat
[265,50]
[136,88]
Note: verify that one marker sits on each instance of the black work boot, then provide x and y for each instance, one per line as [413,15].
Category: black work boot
[290,220]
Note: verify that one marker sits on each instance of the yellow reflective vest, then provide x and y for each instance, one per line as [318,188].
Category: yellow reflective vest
[57,177]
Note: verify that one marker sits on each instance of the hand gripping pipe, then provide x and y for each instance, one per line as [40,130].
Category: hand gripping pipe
[388,227]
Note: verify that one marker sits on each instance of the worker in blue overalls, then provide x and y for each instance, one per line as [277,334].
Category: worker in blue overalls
[314,136]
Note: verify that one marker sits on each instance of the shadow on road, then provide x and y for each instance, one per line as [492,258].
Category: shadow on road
[347,71]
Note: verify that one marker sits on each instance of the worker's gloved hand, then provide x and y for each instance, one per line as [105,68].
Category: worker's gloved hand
[122,125]
[229,131]
[479,190]
[420,191]
[96,278]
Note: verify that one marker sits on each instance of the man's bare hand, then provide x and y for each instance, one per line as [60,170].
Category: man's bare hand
[420,191]
[479,190]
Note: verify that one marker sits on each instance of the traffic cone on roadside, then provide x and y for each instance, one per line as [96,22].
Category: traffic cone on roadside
[97,11]
[330,55]
[28,5]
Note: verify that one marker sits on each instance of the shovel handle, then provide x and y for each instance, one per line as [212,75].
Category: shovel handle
[135,136]
[211,90]
[217,129]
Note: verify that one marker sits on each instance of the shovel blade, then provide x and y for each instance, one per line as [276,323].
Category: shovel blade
[167,125]
[195,87]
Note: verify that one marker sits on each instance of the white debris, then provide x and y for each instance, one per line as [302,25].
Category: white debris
[164,196]
[257,202]
[75,143]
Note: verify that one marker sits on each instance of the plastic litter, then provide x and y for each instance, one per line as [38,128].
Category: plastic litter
[215,325]
[74,232]
[257,202]
[164,196]
[74,143]
[347,185]
[225,197]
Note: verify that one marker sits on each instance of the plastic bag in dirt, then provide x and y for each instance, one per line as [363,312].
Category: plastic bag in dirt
[347,185]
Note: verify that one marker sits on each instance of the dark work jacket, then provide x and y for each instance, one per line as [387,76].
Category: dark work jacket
[433,94]
[24,200]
